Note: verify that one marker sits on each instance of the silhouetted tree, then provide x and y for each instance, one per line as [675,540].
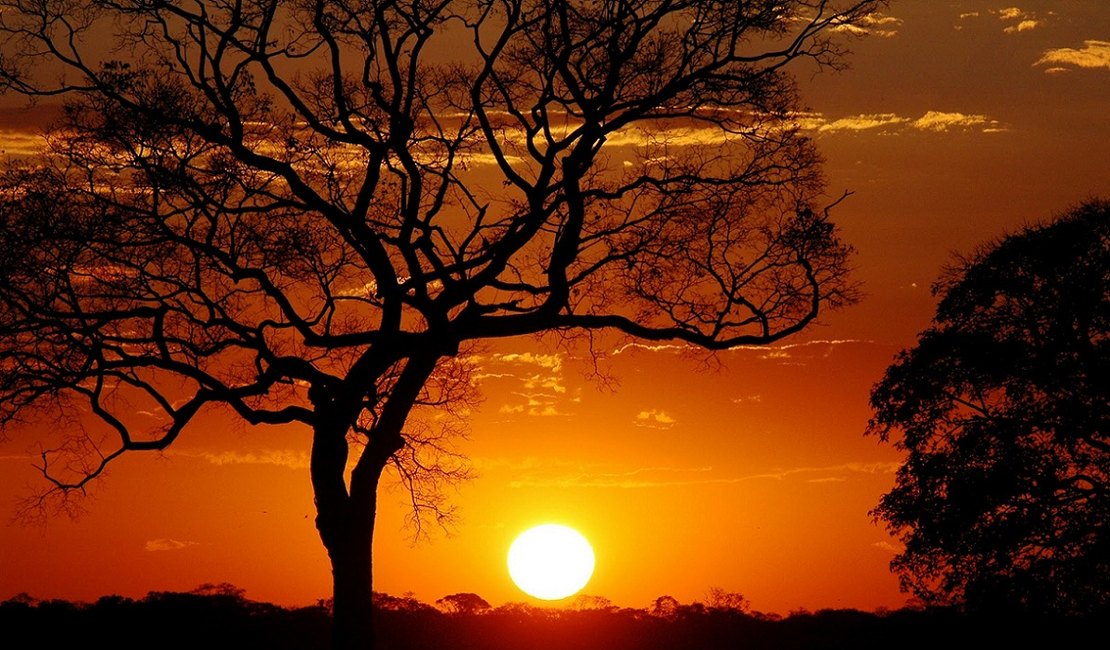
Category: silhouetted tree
[465,603]
[1002,409]
[303,212]
[589,602]
[406,602]
[188,621]
[728,601]
[664,606]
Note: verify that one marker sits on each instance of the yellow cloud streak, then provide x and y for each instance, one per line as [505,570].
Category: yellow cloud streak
[1093,54]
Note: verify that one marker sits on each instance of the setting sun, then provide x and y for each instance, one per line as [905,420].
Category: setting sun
[551,561]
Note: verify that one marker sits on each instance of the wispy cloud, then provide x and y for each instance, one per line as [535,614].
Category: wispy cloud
[1023,26]
[166,544]
[20,143]
[1019,19]
[800,353]
[673,348]
[874,24]
[1016,20]
[654,419]
[782,353]
[891,123]
[279,457]
[551,361]
[1093,54]
[862,122]
[887,546]
[947,121]
[535,404]
[593,477]
[559,475]
[542,387]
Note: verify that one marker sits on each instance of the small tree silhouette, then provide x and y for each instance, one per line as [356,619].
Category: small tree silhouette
[728,601]
[464,603]
[305,212]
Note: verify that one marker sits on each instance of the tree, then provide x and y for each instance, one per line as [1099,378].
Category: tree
[466,604]
[304,213]
[727,601]
[1001,408]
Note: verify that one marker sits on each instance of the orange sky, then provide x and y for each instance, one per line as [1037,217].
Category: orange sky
[958,121]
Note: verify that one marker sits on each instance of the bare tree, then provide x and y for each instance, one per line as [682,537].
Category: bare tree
[302,211]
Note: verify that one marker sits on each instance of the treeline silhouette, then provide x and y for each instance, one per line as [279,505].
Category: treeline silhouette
[220,616]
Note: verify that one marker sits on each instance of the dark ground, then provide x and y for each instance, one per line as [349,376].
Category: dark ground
[212,618]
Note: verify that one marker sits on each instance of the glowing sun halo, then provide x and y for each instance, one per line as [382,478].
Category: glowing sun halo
[551,561]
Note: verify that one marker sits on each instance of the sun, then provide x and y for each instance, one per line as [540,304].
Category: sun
[551,561]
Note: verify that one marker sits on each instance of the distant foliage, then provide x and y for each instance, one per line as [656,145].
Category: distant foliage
[1002,411]
[728,601]
[218,621]
[465,603]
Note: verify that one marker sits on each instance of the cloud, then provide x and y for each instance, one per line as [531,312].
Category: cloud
[166,544]
[783,354]
[874,24]
[800,353]
[551,382]
[564,475]
[535,404]
[1023,26]
[586,477]
[539,376]
[1020,19]
[944,121]
[20,143]
[645,347]
[1093,54]
[279,457]
[869,468]
[887,546]
[654,419]
[891,123]
[550,361]
[862,122]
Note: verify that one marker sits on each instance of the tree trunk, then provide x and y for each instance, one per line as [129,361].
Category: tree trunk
[345,517]
[352,589]
[345,521]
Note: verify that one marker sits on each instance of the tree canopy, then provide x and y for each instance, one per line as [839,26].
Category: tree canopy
[1002,410]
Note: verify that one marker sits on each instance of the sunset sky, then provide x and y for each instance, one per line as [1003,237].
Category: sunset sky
[957,122]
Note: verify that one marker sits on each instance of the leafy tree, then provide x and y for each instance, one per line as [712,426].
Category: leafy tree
[727,601]
[1001,407]
[304,212]
[464,603]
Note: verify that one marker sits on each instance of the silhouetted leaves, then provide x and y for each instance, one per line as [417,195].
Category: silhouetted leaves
[1002,409]
[215,620]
